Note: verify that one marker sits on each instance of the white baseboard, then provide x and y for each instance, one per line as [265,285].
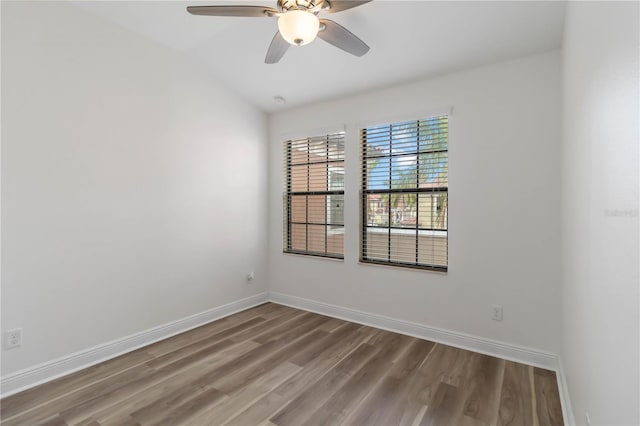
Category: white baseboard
[565,401]
[495,348]
[41,373]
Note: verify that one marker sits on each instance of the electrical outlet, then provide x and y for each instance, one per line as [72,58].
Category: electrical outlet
[13,338]
[496,313]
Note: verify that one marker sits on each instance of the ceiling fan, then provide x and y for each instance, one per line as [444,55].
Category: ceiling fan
[298,24]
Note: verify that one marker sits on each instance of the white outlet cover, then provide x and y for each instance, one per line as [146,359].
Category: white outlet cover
[13,338]
[496,312]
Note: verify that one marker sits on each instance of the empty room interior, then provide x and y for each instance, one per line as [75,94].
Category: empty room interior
[320,212]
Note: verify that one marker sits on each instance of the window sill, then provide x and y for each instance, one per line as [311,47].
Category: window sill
[442,270]
[313,256]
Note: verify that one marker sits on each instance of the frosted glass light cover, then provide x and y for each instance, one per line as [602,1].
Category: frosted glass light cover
[298,27]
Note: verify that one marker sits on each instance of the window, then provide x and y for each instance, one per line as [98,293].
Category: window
[405,194]
[314,196]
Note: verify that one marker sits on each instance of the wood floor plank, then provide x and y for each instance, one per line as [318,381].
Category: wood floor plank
[481,389]
[265,311]
[334,353]
[275,332]
[470,421]
[418,416]
[166,404]
[50,391]
[246,396]
[444,406]
[382,405]
[232,382]
[182,412]
[416,353]
[274,365]
[152,381]
[54,421]
[115,408]
[298,409]
[409,404]
[376,406]
[324,359]
[267,326]
[354,390]
[90,421]
[445,364]
[373,334]
[351,364]
[79,397]
[313,351]
[516,401]
[331,325]
[288,331]
[241,370]
[459,362]
[180,340]
[392,345]
[273,310]
[191,353]
[547,397]
[262,409]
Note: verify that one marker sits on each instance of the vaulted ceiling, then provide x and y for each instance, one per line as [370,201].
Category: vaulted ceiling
[409,40]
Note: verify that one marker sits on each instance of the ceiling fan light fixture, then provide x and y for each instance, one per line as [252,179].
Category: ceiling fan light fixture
[298,27]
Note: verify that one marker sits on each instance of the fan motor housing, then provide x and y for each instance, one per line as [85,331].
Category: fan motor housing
[313,6]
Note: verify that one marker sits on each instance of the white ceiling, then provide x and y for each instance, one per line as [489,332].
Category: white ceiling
[409,40]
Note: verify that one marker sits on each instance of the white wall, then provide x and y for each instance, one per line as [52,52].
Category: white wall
[122,207]
[504,218]
[600,211]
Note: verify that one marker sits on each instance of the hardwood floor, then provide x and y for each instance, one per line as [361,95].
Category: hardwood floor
[275,365]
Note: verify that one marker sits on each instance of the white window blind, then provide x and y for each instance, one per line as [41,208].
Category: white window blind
[404,194]
[314,196]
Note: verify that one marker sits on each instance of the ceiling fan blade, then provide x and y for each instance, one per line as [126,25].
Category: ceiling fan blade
[340,5]
[277,49]
[242,11]
[342,38]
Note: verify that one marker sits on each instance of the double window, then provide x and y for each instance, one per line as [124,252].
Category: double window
[314,196]
[404,194]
